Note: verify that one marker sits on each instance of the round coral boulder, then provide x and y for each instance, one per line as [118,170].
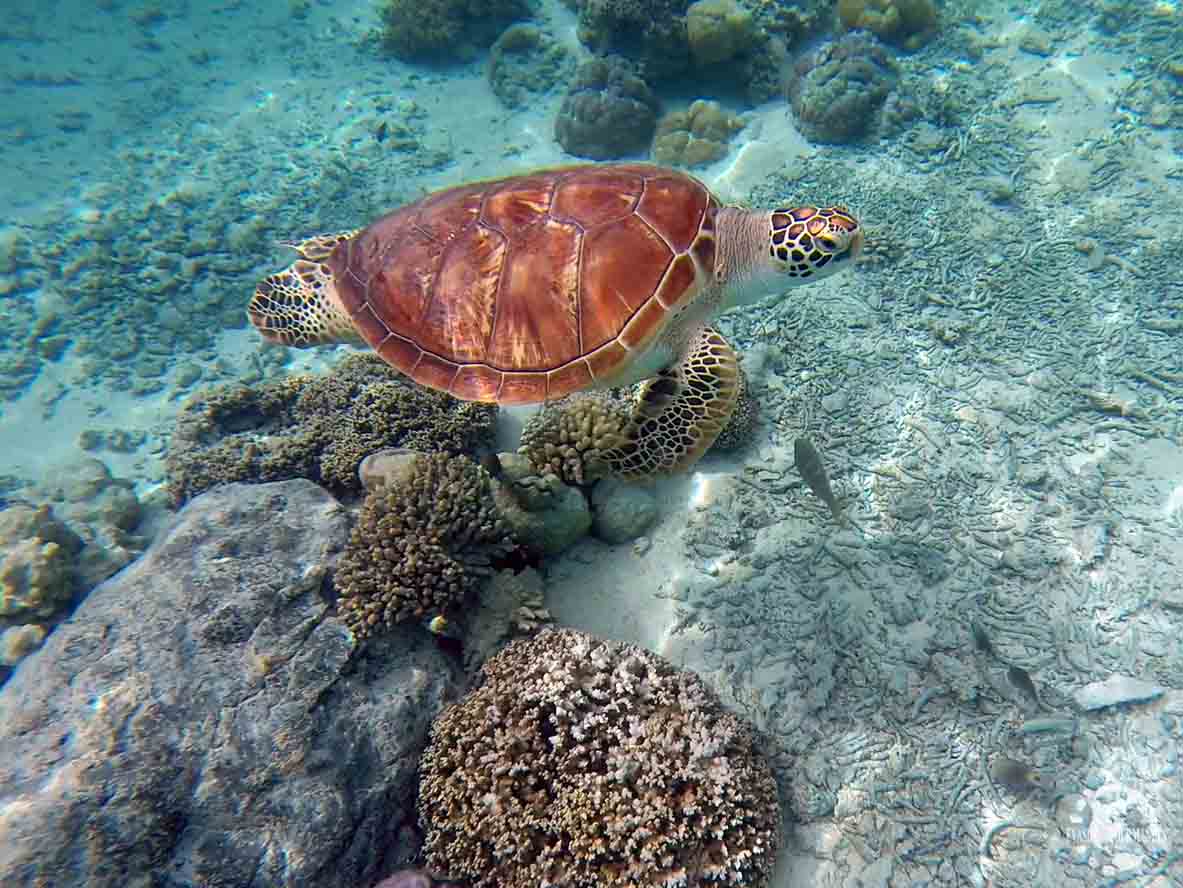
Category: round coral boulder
[718,30]
[527,62]
[609,112]
[838,90]
[593,764]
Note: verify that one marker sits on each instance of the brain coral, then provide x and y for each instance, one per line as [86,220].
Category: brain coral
[838,89]
[594,764]
[906,23]
[422,543]
[313,427]
[608,111]
[527,62]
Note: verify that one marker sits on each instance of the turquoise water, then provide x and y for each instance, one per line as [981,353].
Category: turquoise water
[968,672]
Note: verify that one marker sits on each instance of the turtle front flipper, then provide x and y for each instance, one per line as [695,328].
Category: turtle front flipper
[681,411]
[299,305]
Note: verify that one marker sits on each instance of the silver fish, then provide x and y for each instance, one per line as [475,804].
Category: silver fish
[809,464]
[1021,679]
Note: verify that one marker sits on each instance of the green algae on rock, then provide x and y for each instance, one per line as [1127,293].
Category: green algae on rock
[315,427]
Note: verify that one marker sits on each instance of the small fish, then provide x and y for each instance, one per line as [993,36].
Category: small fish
[810,466]
[438,625]
[380,135]
[1021,679]
[1015,775]
[981,639]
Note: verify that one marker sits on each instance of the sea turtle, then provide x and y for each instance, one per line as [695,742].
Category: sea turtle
[526,289]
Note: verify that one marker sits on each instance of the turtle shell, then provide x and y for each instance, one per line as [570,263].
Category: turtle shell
[526,289]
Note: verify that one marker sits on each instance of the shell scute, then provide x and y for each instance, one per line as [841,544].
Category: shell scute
[622,265]
[599,198]
[517,206]
[678,282]
[458,320]
[536,326]
[673,210]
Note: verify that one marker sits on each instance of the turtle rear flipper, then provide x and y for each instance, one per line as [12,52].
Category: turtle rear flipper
[299,305]
[681,411]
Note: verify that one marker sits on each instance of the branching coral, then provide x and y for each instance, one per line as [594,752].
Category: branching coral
[594,764]
[421,544]
[567,438]
[312,427]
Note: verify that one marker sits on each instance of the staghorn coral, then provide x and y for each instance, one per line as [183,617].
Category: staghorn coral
[568,437]
[594,764]
[313,427]
[421,544]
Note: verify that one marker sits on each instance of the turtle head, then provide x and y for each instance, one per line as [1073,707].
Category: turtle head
[806,244]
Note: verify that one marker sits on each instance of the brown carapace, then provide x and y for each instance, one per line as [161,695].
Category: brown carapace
[527,289]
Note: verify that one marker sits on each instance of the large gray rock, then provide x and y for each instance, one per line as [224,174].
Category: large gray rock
[203,720]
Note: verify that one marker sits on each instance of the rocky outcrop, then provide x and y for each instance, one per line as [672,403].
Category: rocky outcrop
[204,719]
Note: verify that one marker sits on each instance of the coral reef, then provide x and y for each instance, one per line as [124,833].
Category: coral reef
[313,427]
[838,89]
[444,29]
[592,763]
[621,512]
[567,437]
[906,23]
[526,62]
[719,30]
[102,510]
[37,563]
[650,33]
[696,136]
[511,606]
[609,111]
[421,545]
[543,514]
[17,642]
[208,691]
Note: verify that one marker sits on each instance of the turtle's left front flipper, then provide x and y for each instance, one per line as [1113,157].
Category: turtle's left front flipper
[681,411]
